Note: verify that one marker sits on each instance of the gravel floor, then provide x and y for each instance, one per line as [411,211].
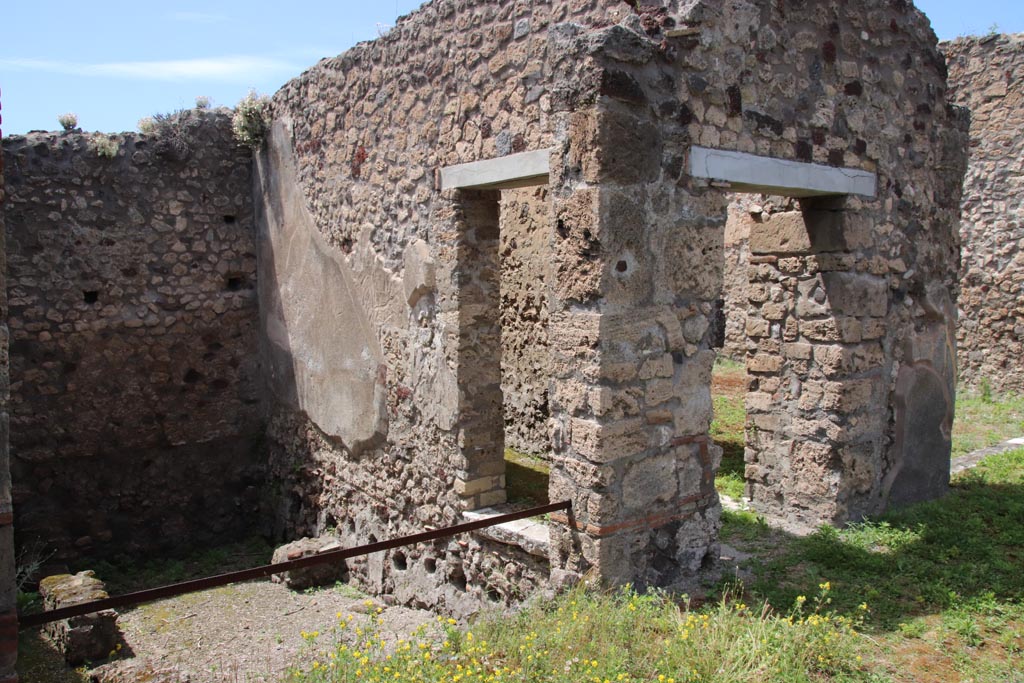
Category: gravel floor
[245,632]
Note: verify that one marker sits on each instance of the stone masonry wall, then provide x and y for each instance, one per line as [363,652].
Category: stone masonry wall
[351,201]
[732,313]
[135,414]
[8,587]
[525,247]
[987,76]
[389,400]
[852,302]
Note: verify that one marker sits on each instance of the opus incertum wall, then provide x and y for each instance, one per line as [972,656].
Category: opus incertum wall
[986,74]
[851,348]
[502,223]
[8,589]
[135,396]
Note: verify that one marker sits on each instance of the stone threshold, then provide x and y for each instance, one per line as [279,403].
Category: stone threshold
[531,535]
[972,459]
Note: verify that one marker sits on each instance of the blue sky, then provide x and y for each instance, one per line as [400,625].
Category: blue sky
[113,63]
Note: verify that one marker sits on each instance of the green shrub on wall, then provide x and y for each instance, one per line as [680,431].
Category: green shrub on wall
[251,119]
[106,146]
[68,121]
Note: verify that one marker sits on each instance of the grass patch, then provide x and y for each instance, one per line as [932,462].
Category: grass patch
[587,635]
[943,580]
[983,421]
[526,478]
[728,388]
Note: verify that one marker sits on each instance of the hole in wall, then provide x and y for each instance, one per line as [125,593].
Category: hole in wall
[458,578]
[493,594]
[399,561]
[621,266]
[192,376]
[228,218]
[430,564]
[90,296]
[233,284]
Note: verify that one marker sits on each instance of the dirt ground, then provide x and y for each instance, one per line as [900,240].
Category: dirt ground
[240,633]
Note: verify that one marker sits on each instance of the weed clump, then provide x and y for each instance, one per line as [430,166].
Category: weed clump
[106,146]
[68,121]
[251,120]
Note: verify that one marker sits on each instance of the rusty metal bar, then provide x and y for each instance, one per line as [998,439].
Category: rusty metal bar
[129,599]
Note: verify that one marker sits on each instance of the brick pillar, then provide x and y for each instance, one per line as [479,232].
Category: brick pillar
[8,592]
[481,427]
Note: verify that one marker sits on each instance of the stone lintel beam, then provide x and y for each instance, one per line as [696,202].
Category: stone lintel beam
[515,170]
[753,173]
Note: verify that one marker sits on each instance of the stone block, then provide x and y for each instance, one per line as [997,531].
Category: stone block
[659,391]
[844,329]
[630,148]
[89,636]
[836,360]
[781,233]
[649,481]
[659,366]
[316,575]
[763,362]
[851,395]
[856,294]
[479,485]
[757,327]
[693,415]
[797,350]
[602,442]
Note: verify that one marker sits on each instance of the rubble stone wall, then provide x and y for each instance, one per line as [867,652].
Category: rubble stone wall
[525,244]
[851,303]
[986,75]
[352,159]
[8,587]
[135,396]
[732,312]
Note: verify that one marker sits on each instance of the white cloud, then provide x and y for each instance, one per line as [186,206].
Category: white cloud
[238,68]
[198,17]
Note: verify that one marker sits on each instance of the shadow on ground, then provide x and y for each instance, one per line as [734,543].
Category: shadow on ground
[965,551]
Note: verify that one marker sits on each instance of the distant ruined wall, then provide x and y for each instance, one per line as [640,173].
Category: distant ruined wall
[986,74]
[135,411]
[525,248]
